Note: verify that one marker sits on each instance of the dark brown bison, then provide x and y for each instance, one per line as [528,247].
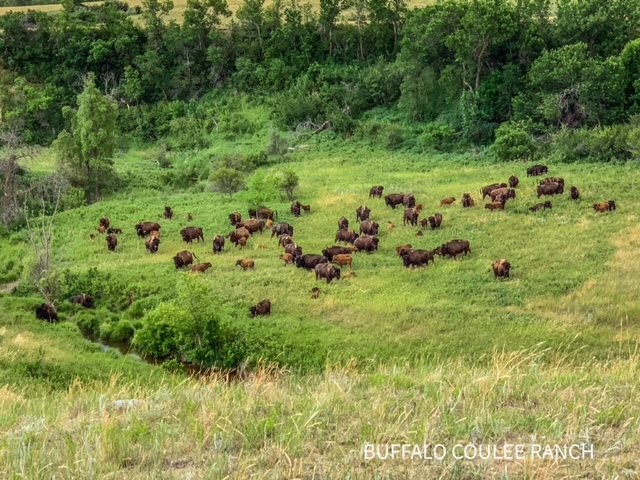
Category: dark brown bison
[447,201]
[369,228]
[105,222]
[114,230]
[552,180]
[47,311]
[454,248]
[402,249]
[514,181]
[394,199]
[331,252]
[366,243]
[362,213]
[467,201]
[285,240]
[343,259]
[238,233]
[327,271]
[295,209]
[264,213]
[253,225]
[376,191]
[409,200]
[417,258]
[346,235]
[184,258]
[83,299]
[262,308]
[575,193]
[605,206]
[189,234]
[537,170]
[435,221]
[145,228]
[189,217]
[152,244]
[294,250]
[486,191]
[201,267]
[168,213]
[343,223]
[242,242]
[218,244]
[497,205]
[235,218]
[550,189]
[306,208]
[112,243]
[506,192]
[540,206]
[501,268]
[246,263]
[282,229]
[310,261]
[410,217]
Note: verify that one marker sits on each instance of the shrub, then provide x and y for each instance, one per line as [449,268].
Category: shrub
[600,144]
[513,142]
[122,331]
[227,180]
[235,124]
[289,183]
[437,136]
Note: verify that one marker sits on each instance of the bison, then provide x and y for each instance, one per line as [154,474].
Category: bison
[327,271]
[540,206]
[112,243]
[513,181]
[417,258]
[435,221]
[287,258]
[201,267]
[366,243]
[467,201]
[486,191]
[411,217]
[369,228]
[447,201]
[402,249]
[346,235]
[343,259]
[184,258]
[83,299]
[235,218]
[501,268]
[537,170]
[218,244]
[262,308]
[376,191]
[285,240]
[145,228]
[409,200]
[497,205]
[264,213]
[552,180]
[306,208]
[114,230]
[238,233]
[189,234]
[575,193]
[343,223]
[246,263]
[394,199]
[168,213]
[310,261]
[550,189]
[253,225]
[294,250]
[282,229]
[362,213]
[315,293]
[152,244]
[295,209]
[189,217]
[47,311]
[331,252]
[242,242]
[454,248]
[104,222]
[506,192]
[604,206]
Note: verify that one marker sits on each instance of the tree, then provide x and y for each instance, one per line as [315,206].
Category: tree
[227,180]
[86,149]
[9,170]
[289,183]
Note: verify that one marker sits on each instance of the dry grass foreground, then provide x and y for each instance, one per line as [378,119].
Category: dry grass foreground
[275,425]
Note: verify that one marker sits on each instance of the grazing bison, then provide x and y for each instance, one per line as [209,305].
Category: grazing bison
[343,259]
[497,205]
[501,268]
[83,299]
[101,229]
[168,213]
[411,217]
[369,228]
[152,244]
[327,271]
[295,209]
[262,308]
[362,213]
[235,218]
[402,249]
[376,191]
[417,258]
[104,222]
[306,208]
[47,311]
[331,252]
[285,240]
[112,243]
[394,199]
[114,230]
[467,201]
[447,201]
[435,221]
[315,292]
[366,243]
[310,261]
[218,244]
[189,234]
[550,189]
[263,212]
[486,191]
[506,192]
[253,225]
[420,233]
[575,193]
[537,170]
[246,263]
[145,228]
[242,242]
[409,200]
[346,235]
[604,206]
[454,248]
[237,234]
[552,180]
[282,229]
[294,250]
[540,206]
[184,258]
[287,258]
[343,223]
[201,267]
[513,181]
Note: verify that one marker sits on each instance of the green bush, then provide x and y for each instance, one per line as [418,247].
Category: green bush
[600,144]
[513,142]
[235,124]
[437,136]
[122,331]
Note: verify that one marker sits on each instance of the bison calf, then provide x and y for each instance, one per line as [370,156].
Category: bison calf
[201,267]
[246,263]
[262,308]
[343,259]
[287,258]
[447,201]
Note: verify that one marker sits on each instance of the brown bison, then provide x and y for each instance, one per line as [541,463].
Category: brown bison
[550,189]
[501,268]
[343,259]
[47,311]
[189,234]
[454,248]
[253,225]
[331,252]
[264,213]
[513,181]
[145,228]
[369,228]
[552,180]
[294,250]
[282,229]
[409,200]
[486,191]
[402,249]
[394,199]
[537,170]
[184,258]
[604,206]
[540,206]
[285,240]
[343,223]
[447,201]
[287,258]
[467,201]
[168,213]
[497,205]
[114,230]
[346,235]
[435,221]
[376,191]
[101,229]
[92,236]
[306,208]
[295,209]
[262,308]
[83,299]
[575,193]
[112,243]
[189,217]
[315,292]
[152,244]
[218,244]
[417,258]
[362,213]
[310,261]
[155,233]
[411,217]
[235,218]
[104,222]
[201,267]
[242,242]
[246,263]
[327,271]
[366,243]
[506,192]
[238,233]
